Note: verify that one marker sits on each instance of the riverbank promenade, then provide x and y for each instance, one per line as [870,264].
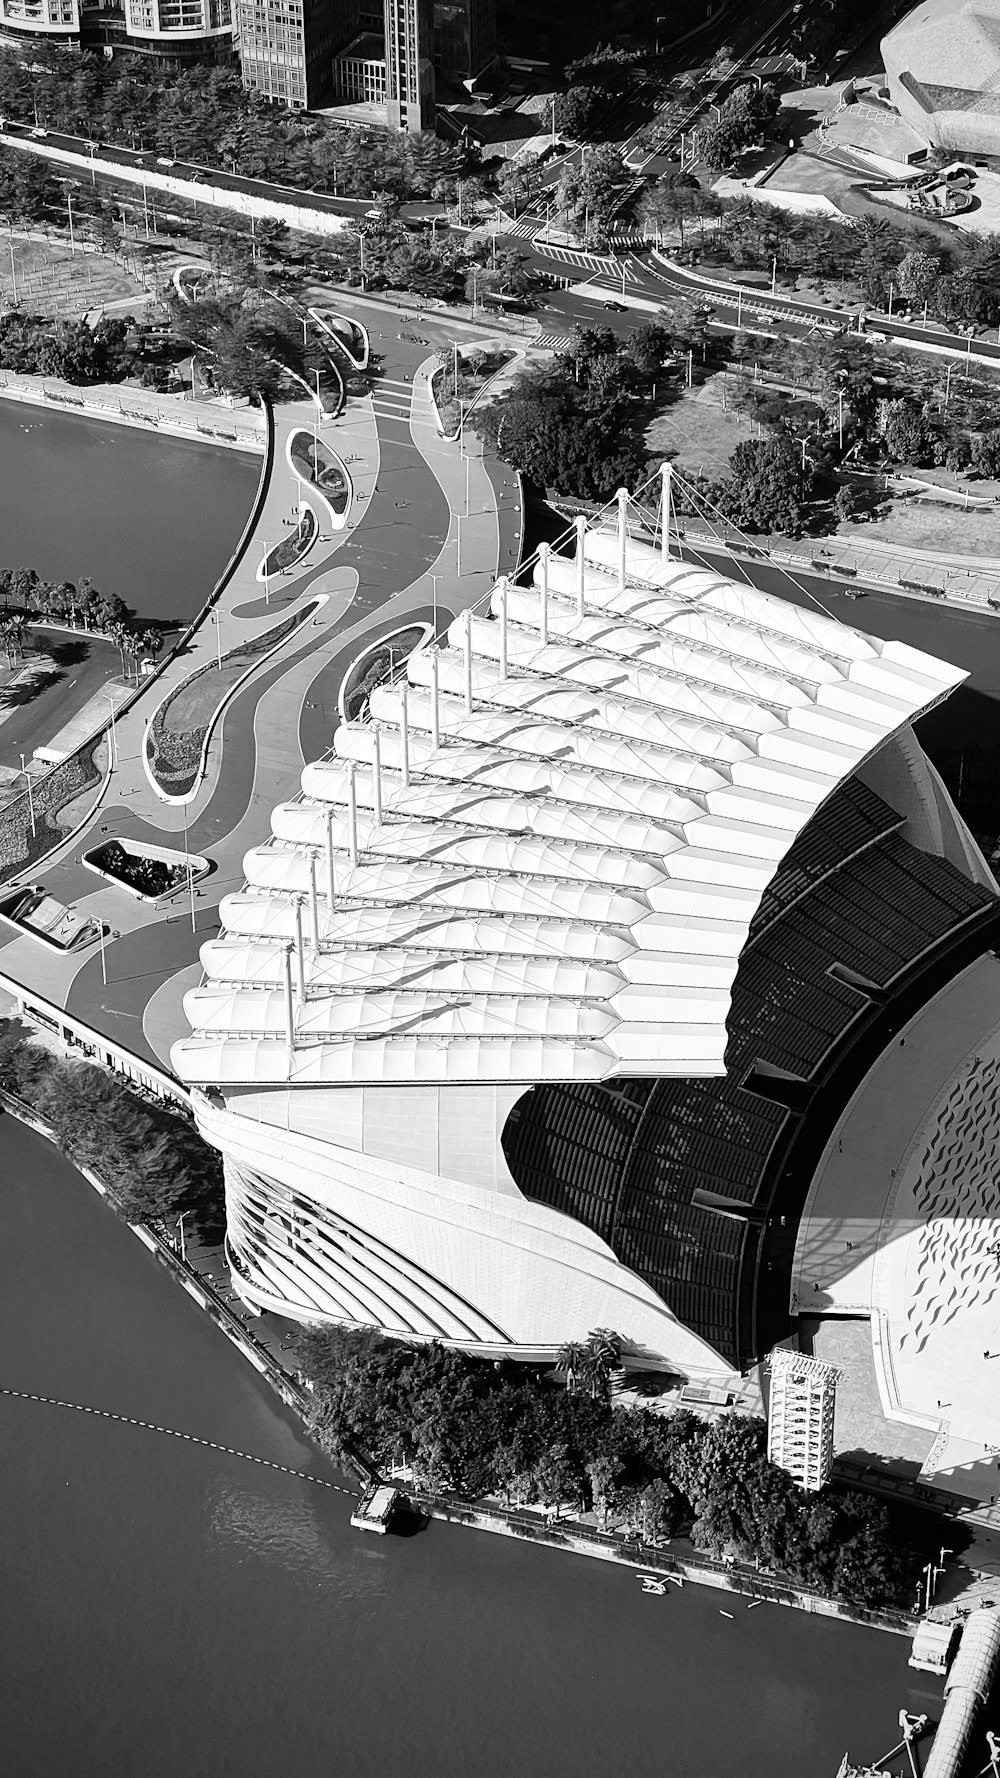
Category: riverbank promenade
[428,525]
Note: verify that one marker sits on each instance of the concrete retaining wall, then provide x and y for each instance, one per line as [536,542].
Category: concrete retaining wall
[217,197]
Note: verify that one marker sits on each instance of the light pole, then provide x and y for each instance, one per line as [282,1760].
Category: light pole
[69,211]
[774,273]
[31,799]
[266,547]
[180,1233]
[319,409]
[434,602]
[13,274]
[114,732]
[218,635]
[145,208]
[840,404]
[187,866]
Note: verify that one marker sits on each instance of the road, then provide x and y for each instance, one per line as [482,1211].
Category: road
[81,666]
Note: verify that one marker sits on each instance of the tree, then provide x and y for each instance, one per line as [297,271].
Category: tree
[765,488]
[579,110]
[986,454]
[572,1359]
[917,275]
[903,430]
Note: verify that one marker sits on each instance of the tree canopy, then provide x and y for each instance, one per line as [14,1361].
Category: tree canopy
[476,1428]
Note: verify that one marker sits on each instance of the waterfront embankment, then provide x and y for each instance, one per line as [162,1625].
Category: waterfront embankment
[121,404]
[172,1607]
[545,1529]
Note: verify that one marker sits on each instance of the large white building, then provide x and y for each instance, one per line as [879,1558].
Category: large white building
[515,1026]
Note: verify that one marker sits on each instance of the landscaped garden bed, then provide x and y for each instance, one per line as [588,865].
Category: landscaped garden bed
[176,735]
[318,465]
[151,873]
[19,845]
[292,548]
[475,368]
[375,666]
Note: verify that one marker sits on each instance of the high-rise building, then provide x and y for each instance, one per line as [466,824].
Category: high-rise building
[54,21]
[287,47]
[465,37]
[409,64]
[171,31]
[800,1417]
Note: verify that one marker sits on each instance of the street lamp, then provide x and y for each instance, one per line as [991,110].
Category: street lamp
[13,274]
[114,732]
[24,773]
[217,620]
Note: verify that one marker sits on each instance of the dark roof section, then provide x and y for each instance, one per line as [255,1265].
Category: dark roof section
[676,1175]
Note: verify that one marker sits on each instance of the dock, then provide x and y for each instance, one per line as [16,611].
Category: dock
[377,1508]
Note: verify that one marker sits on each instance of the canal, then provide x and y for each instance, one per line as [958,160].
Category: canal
[152,519]
[169,1609]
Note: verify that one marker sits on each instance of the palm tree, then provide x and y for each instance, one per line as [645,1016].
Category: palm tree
[572,1358]
[603,1355]
[152,642]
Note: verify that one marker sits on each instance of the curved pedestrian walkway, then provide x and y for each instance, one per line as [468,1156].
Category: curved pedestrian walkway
[410,518]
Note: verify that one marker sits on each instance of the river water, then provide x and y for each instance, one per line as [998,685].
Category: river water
[171,1610]
[152,519]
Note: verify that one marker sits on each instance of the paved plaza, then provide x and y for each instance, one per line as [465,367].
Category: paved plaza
[429,527]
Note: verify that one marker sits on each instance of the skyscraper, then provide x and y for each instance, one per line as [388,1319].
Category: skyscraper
[465,37]
[409,64]
[287,46]
[171,31]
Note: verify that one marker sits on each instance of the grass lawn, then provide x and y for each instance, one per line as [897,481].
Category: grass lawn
[699,431]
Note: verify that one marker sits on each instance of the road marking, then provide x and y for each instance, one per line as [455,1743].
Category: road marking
[208,1444]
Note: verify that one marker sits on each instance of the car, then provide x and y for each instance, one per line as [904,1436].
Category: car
[373,215]
[619,308]
[40,133]
[162,161]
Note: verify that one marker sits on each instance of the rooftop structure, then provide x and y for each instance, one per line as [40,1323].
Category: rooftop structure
[515,1025]
[942,65]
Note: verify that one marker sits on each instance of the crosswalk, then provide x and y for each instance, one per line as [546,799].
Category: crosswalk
[391,398]
[552,342]
[591,263]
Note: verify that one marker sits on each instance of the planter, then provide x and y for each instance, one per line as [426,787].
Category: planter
[136,867]
[51,922]
[291,550]
[376,664]
[318,466]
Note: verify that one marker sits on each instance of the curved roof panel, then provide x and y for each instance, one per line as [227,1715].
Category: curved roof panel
[539,856]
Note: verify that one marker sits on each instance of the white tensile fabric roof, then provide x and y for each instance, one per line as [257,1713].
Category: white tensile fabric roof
[546,850]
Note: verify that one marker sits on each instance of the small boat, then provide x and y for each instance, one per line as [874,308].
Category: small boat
[727,1614]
